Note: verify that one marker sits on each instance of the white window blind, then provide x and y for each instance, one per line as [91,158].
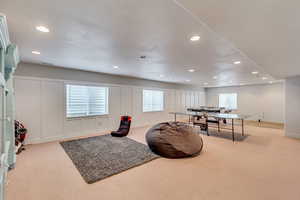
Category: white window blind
[153,100]
[228,100]
[86,100]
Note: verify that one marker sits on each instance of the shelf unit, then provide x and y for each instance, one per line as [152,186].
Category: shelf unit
[9,59]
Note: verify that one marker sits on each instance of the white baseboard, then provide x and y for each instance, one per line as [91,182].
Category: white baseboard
[85,133]
[68,137]
[292,135]
[43,140]
[64,137]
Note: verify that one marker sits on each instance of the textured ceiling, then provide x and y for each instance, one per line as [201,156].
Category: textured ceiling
[97,35]
[267,31]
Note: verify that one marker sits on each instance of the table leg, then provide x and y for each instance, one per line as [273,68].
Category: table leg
[175,117]
[218,125]
[207,130]
[243,127]
[232,122]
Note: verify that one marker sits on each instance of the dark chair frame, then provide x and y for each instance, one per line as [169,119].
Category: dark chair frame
[204,125]
[123,128]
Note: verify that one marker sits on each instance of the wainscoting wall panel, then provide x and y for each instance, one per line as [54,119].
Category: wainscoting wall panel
[28,106]
[40,105]
[52,109]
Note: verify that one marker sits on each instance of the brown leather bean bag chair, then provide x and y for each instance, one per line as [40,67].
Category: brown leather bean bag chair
[174,140]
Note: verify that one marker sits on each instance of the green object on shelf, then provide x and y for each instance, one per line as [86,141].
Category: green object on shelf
[11,60]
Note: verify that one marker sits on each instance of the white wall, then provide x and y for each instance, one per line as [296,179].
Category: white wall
[266,101]
[40,105]
[292,107]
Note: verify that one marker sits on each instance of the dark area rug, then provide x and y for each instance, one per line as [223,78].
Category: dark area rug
[99,157]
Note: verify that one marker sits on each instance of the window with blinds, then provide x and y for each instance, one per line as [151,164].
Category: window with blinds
[86,100]
[228,101]
[153,100]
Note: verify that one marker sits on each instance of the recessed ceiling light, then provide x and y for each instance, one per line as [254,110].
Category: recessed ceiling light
[255,72]
[271,82]
[195,38]
[36,52]
[241,84]
[42,29]
[191,70]
[116,67]
[264,78]
[161,76]
[237,62]
[205,83]
[215,77]
[188,80]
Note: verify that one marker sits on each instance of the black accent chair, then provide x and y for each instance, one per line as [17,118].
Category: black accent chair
[201,121]
[124,127]
[214,120]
